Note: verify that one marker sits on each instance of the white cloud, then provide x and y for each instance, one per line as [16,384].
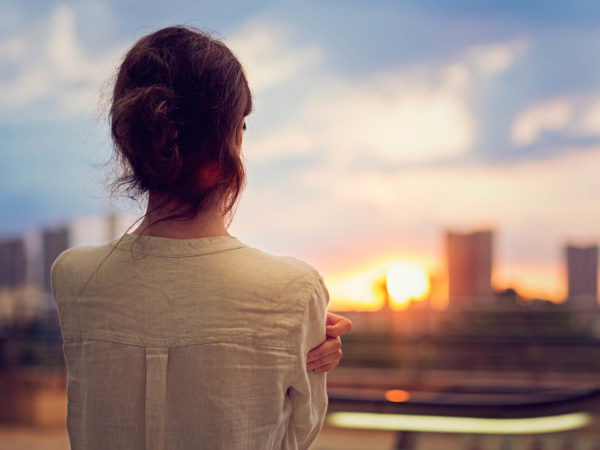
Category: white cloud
[12,48]
[456,75]
[408,115]
[571,115]
[589,122]
[285,141]
[495,58]
[532,197]
[550,115]
[394,118]
[51,66]
[267,55]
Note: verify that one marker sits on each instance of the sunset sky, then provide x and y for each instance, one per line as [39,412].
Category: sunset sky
[377,126]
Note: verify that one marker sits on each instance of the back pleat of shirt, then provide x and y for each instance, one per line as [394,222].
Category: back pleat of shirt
[156,391]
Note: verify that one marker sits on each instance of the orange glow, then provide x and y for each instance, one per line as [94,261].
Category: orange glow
[545,281]
[406,281]
[397,395]
[362,288]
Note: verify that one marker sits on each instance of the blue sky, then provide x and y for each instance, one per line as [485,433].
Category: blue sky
[378,125]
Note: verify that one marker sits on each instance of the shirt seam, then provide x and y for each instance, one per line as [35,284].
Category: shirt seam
[170,345]
[193,255]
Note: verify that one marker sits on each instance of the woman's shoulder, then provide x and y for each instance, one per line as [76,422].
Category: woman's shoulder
[74,264]
[76,257]
[290,284]
[279,266]
[284,275]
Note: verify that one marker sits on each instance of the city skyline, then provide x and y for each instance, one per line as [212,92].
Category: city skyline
[469,260]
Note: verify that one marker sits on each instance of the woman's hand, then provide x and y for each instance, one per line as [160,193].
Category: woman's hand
[327,355]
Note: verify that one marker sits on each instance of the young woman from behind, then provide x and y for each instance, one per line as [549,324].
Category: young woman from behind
[178,335]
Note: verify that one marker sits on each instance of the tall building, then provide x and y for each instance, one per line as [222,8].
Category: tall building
[469,262]
[13,263]
[582,275]
[54,242]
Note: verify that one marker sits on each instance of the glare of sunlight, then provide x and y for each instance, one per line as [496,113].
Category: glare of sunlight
[407,281]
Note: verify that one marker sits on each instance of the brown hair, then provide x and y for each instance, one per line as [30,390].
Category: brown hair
[177,105]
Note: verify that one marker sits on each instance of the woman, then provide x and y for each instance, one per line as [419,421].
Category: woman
[179,336]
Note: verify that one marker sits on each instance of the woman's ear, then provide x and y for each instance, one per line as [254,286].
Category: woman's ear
[240,135]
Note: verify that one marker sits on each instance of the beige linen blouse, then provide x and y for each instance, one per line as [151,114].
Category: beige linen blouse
[189,344]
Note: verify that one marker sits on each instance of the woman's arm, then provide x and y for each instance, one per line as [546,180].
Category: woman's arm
[328,354]
[308,390]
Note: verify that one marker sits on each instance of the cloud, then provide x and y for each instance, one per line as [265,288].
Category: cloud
[393,118]
[285,141]
[521,196]
[52,72]
[12,48]
[589,122]
[495,58]
[49,71]
[267,54]
[571,115]
[552,115]
[403,116]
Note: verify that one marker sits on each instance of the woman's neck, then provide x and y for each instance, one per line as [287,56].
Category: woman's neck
[161,221]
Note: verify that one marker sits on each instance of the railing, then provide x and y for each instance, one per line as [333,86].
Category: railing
[564,402]
[517,413]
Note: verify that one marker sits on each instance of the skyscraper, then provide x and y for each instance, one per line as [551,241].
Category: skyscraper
[54,242]
[13,264]
[582,275]
[469,262]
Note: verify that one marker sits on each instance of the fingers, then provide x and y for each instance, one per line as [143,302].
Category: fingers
[326,356]
[327,363]
[333,318]
[328,367]
[337,325]
[330,346]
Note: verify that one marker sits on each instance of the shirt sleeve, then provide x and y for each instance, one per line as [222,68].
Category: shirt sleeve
[308,392]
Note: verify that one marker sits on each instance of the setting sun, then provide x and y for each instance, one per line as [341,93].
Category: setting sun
[405,282]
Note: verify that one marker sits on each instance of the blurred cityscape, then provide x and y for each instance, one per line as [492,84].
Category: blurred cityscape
[32,371]
[489,355]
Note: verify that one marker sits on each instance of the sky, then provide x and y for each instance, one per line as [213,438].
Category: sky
[377,125]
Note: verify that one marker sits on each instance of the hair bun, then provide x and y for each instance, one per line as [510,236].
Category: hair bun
[144,119]
[178,102]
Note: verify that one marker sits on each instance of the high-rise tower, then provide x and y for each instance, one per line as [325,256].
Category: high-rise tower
[582,276]
[54,242]
[13,265]
[469,262]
